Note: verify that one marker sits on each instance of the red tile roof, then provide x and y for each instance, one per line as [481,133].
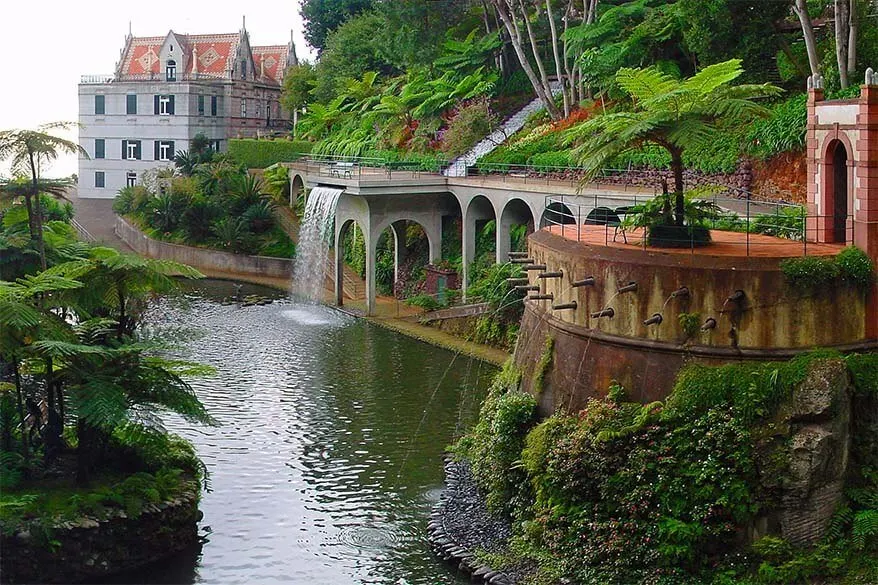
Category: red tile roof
[270,62]
[205,55]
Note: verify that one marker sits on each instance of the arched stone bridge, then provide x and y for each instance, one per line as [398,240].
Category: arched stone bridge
[377,199]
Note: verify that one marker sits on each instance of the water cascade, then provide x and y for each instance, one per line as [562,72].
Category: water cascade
[315,239]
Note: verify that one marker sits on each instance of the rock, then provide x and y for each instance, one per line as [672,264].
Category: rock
[823,390]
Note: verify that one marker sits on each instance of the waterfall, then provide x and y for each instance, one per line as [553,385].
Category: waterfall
[315,239]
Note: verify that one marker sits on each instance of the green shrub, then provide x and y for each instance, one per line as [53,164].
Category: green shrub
[788,222]
[472,122]
[547,161]
[424,301]
[783,130]
[856,268]
[810,272]
[259,154]
[851,266]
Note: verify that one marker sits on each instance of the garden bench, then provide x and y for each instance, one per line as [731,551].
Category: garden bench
[342,169]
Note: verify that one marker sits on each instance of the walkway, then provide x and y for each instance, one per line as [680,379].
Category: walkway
[97,218]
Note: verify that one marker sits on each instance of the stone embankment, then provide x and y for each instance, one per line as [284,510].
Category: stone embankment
[460,524]
[203,258]
[89,548]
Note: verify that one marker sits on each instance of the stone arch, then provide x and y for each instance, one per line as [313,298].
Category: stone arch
[837,202]
[297,188]
[516,212]
[476,213]
[557,213]
[345,285]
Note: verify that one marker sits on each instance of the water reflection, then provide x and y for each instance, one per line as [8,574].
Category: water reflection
[328,454]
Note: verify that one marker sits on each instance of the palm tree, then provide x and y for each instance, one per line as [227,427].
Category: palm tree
[671,113]
[29,151]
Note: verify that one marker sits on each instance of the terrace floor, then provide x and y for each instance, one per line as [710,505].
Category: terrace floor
[728,244]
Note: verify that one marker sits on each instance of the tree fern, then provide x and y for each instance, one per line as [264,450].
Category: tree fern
[865,529]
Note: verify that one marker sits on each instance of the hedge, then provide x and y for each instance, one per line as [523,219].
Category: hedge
[259,154]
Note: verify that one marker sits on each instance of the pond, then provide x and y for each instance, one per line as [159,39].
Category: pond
[328,454]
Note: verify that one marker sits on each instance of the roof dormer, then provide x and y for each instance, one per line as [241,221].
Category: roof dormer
[172,57]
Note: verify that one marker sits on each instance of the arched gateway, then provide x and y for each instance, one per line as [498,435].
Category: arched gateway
[842,141]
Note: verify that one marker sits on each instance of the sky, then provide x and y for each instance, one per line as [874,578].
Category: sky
[49,44]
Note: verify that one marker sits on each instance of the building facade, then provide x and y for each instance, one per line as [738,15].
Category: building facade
[167,90]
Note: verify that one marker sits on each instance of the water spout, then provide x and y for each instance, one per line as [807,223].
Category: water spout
[530,267]
[682,292]
[528,287]
[548,297]
[518,254]
[656,319]
[630,287]
[709,324]
[565,306]
[558,274]
[517,281]
[736,297]
[588,281]
[608,312]
[521,260]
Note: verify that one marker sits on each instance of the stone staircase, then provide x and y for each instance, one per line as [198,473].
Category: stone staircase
[458,167]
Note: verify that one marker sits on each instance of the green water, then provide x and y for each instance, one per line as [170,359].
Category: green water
[328,455]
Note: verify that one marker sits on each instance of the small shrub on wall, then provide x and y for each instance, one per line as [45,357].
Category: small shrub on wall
[259,154]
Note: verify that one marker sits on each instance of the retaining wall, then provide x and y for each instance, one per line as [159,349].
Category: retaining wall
[772,321]
[85,549]
[202,258]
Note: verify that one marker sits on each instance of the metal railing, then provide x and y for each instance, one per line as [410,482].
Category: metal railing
[600,219]
[364,168]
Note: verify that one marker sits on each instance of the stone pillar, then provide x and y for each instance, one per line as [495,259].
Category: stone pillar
[400,251]
[503,243]
[468,248]
[815,226]
[339,269]
[371,292]
[433,229]
[866,191]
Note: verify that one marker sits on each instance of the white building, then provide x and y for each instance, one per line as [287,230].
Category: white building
[167,90]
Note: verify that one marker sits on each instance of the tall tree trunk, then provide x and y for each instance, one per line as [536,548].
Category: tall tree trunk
[535,50]
[554,32]
[852,38]
[842,37]
[36,209]
[679,198]
[801,10]
[25,446]
[591,12]
[515,35]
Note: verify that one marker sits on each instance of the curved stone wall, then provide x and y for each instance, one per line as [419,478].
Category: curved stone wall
[770,321]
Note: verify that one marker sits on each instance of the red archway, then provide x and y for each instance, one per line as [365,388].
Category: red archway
[837,202]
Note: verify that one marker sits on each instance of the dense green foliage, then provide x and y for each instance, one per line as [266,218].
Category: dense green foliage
[851,266]
[218,204]
[624,493]
[82,390]
[259,154]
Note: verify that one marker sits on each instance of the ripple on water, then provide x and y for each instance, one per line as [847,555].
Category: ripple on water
[320,462]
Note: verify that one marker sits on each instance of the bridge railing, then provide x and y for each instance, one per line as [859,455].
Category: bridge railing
[365,168]
[598,218]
